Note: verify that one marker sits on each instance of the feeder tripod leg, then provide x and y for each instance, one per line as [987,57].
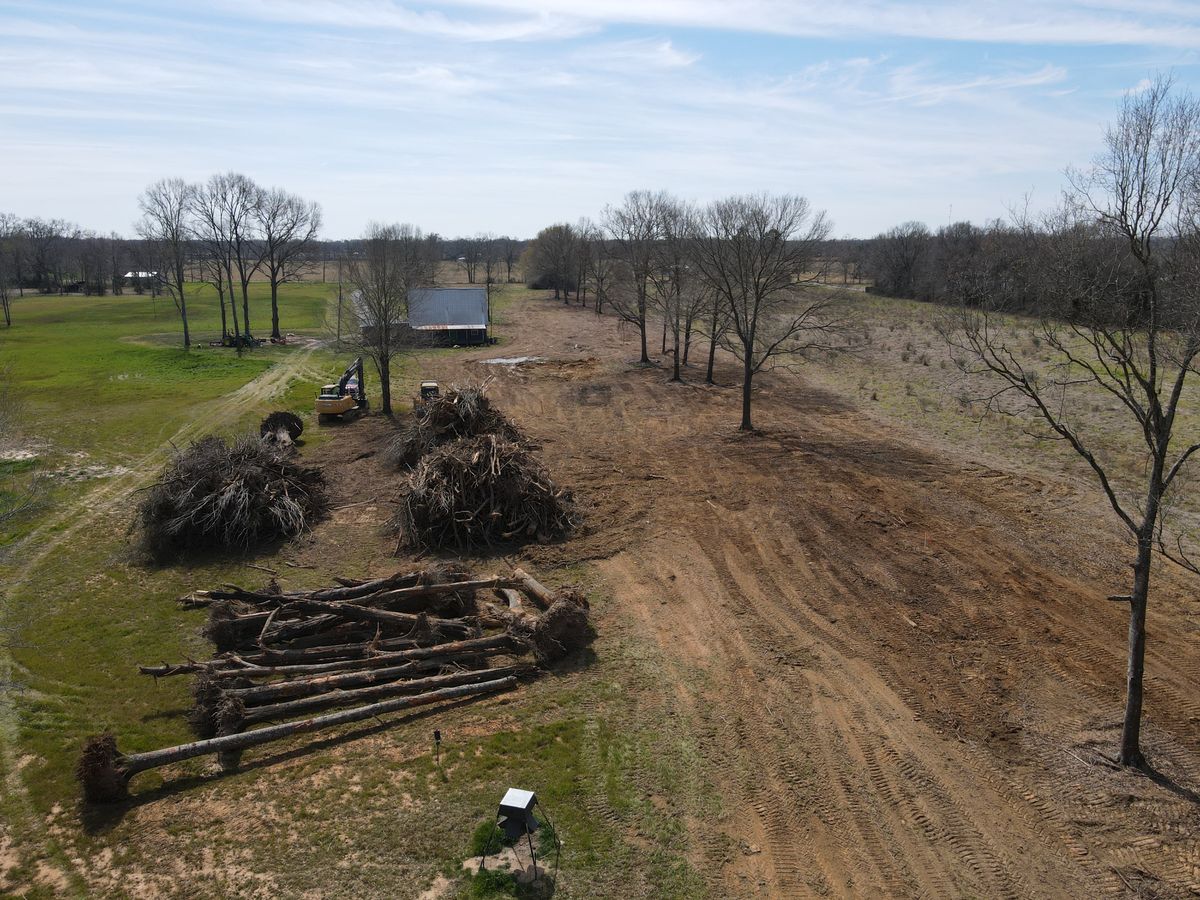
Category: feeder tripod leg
[532,855]
[486,848]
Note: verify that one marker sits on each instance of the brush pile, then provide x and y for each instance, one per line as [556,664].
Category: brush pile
[478,492]
[474,481]
[228,497]
[361,648]
[460,413]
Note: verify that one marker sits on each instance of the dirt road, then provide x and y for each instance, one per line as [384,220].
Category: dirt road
[900,664]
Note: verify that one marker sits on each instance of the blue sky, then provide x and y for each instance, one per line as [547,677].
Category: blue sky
[506,115]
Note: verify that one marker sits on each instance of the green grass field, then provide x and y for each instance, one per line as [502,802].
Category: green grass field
[109,375]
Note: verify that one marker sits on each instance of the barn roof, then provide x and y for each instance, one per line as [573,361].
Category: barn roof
[447,308]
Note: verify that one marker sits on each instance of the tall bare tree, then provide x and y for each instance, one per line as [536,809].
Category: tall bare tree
[213,231]
[756,252]
[288,226]
[549,260]
[242,199]
[598,264]
[393,259]
[165,224]
[509,251]
[1120,314]
[677,289]
[633,227]
[716,324]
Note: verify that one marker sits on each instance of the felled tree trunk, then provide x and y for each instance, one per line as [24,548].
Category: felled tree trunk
[289,708]
[105,772]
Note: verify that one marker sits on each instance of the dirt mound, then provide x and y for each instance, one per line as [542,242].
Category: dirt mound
[479,492]
[215,495]
[462,412]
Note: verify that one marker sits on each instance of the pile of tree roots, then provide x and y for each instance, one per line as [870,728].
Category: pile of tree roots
[474,481]
[478,492]
[289,663]
[461,412]
[221,496]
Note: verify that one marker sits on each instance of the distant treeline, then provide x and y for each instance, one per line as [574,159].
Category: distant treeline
[207,232]
[1017,266]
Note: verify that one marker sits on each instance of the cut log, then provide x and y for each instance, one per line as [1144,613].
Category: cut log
[105,772]
[290,708]
[436,590]
[382,616]
[243,667]
[318,684]
[362,589]
[511,597]
[541,595]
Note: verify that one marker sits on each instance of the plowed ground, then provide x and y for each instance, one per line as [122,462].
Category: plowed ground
[900,663]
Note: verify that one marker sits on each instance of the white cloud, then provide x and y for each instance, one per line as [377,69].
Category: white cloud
[1023,21]
[911,83]
[379,110]
[533,24]
[644,53]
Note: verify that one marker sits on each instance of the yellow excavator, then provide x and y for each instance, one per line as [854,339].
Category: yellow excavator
[345,400]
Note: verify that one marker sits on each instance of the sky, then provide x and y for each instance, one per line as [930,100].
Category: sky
[475,116]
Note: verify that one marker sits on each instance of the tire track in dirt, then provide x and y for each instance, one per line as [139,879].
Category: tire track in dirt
[100,502]
[903,656]
[105,498]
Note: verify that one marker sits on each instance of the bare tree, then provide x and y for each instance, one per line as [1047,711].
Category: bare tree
[755,251]
[470,255]
[550,260]
[213,231]
[489,257]
[10,236]
[166,209]
[677,287]
[1120,315]
[289,226]
[510,252]
[716,324]
[598,263]
[393,260]
[242,199]
[633,227]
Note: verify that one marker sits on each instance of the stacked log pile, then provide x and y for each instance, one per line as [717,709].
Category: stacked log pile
[286,660]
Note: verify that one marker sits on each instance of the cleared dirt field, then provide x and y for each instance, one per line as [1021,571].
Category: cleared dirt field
[840,657]
[899,665]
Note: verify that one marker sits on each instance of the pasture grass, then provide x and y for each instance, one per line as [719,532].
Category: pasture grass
[903,371]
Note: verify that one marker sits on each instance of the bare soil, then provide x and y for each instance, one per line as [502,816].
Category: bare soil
[899,663]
